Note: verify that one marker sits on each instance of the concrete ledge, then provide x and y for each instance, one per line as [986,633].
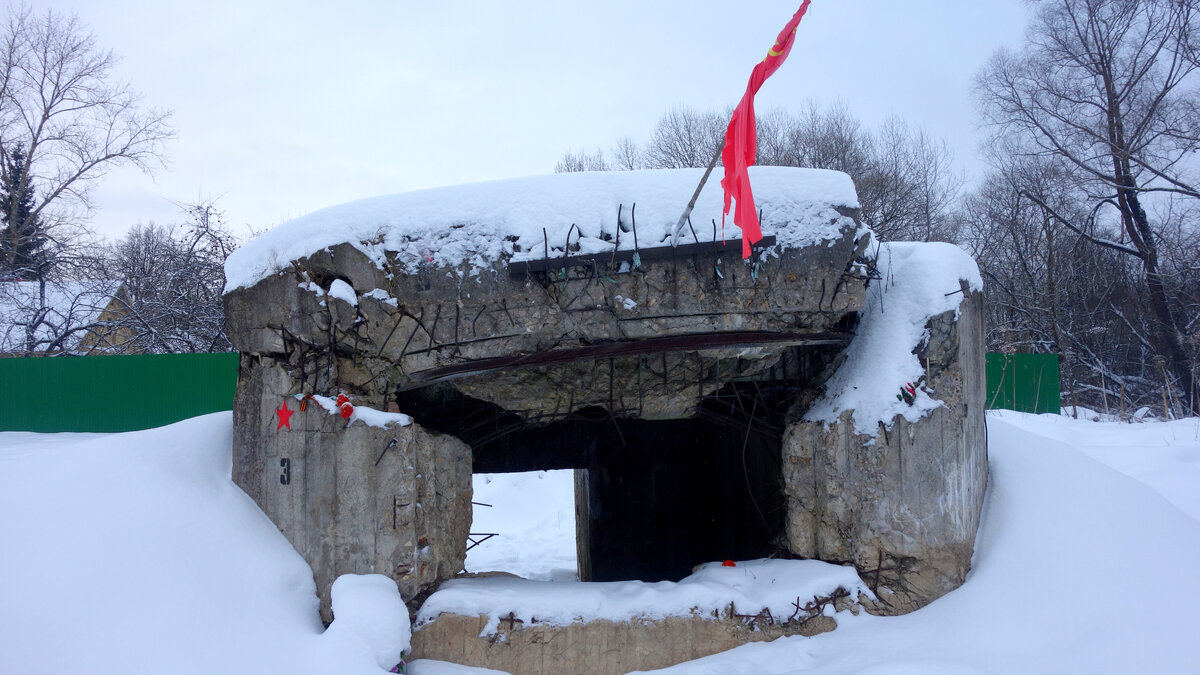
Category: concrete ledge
[598,647]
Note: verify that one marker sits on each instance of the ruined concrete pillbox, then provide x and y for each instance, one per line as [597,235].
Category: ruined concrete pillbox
[713,407]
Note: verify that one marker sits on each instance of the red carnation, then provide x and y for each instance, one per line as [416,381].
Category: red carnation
[342,400]
[347,410]
[728,563]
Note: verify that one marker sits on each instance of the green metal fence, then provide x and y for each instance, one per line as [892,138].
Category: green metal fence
[125,393]
[1023,382]
[113,393]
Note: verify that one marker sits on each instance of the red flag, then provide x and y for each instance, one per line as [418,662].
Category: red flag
[740,147]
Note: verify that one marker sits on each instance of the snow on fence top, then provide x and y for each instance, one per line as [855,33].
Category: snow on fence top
[483,223]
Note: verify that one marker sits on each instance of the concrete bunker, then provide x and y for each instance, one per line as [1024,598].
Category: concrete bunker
[713,407]
[654,497]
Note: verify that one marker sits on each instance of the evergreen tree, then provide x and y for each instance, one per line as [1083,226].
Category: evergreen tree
[22,238]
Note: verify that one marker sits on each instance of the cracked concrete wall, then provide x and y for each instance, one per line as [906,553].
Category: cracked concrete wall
[344,513]
[903,505]
[352,498]
[408,322]
[297,338]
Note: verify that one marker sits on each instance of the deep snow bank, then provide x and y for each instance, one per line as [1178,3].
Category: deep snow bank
[1078,569]
[136,553]
[919,281]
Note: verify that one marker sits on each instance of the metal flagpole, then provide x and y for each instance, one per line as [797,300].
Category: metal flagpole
[696,195]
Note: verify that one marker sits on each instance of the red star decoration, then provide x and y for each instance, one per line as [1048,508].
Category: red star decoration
[284,416]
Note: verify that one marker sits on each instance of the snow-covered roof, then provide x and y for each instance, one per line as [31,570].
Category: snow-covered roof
[519,218]
[67,307]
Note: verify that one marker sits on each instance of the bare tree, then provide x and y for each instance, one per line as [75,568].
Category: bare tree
[627,156]
[572,162]
[174,277]
[1105,86]
[906,180]
[777,139]
[685,137]
[67,120]
[909,186]
[55,317]
[831,137]
[1043,285]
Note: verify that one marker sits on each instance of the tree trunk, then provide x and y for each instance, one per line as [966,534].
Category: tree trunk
[1169,338]
[1137,226]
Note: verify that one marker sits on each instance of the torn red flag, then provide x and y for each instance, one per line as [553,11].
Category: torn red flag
[740,147]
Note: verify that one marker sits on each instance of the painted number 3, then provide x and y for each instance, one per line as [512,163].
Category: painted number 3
[285,477]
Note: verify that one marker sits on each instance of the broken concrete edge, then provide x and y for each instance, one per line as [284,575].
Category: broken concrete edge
[806,606]
[351,498]
[439,321]
[837,601]
[843,262]
[905,568]
[902,504]
[607,647]
[369,270]
[389,264]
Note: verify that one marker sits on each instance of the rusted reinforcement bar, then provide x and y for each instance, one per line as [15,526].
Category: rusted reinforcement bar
[518,270]
[654,345]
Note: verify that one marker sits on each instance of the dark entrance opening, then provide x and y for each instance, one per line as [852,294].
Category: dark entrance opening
[678,493]
[654,498]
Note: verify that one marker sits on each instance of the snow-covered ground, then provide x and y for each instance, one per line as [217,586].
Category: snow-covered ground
[135,553]
[1078,568]
[533,517]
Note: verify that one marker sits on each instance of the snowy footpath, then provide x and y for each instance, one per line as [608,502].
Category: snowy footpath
[135,553]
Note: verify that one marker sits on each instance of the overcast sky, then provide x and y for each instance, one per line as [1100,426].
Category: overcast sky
[282,108]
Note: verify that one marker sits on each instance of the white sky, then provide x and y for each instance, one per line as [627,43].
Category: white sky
[282,108]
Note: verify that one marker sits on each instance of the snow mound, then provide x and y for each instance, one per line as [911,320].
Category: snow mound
[136,553]
[370,616]
[1164,454]
[1078,569]
[920,281]
[751,586]
[483,223]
